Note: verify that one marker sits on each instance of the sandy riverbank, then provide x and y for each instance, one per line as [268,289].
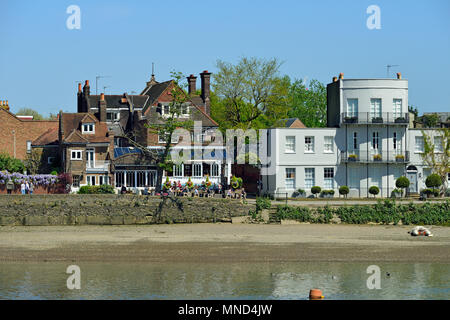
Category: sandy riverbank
[223,243]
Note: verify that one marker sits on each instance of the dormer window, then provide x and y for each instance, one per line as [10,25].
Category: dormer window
[112,116]
[88,128]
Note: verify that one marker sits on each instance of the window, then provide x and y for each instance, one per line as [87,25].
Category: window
[50,160]
[375,140]
[184,110]
[197,168]
[290,144]
[397,108]
[102,180]
[352,107]
[309,144]
[161,139]
[438,144]
[90,158]
[28,146]
[355,140]
[375,108]
[76,155]
[328,178]
[76,181]
[88,128]
[419,147]
[112,116]
[90,180]
[214,170]
[309,178]
[397,143]
[328,145]
[178,170]
[290,178]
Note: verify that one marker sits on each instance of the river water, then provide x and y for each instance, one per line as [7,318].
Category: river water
[47,280]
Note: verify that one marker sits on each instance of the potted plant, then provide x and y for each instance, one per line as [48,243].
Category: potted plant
[399,158]
[377,157]
[234,183]
[352,157]
[377,120]
[401,120]
[327,193]
[300,193]
[315,190]
[344,190]
[396,193]
[190,184]
[352,119]
[433,181]
[374,190]
[402,183]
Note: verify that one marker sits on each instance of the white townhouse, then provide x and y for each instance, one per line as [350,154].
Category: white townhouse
[367,142]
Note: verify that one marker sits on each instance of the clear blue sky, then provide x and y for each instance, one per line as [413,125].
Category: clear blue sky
[41,60]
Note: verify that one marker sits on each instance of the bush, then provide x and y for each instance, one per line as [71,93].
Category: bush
[374,190]
[301,191]
[402,182]
[262,203]
[10,164]
[344,190]
[447,192]
[54,173]
[102,189]
[433,181]
[327,192]
[315,190]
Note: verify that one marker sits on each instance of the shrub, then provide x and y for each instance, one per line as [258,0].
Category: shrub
[54,173]
[315,190]
[102,189]
[85,190]
[301,191]
[433,181]
[402,183]
[262,203]
[344,190]
[447,192]
[374,190]
[327,192]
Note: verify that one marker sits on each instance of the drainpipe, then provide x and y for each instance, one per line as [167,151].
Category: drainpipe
[14,142]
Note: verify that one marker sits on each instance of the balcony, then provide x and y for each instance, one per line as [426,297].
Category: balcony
[372,156]
[391,118]
[97,166]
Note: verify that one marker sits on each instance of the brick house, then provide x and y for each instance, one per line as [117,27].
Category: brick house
[17,133]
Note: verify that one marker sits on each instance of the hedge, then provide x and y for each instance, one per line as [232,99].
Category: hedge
[436,213]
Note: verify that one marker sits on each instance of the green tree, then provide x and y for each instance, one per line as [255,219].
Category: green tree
[30,112]
[402,183]
[247,91]
[308,103]
[437,158]
[10,164]
[430,120]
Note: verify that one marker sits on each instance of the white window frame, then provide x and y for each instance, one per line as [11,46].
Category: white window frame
[85,126]
[215,170]
[289,182]
[328,176]
[328,146]
[76,153]
[178,170]
[397,107]
[289,146]
[50,160]
[89,180]
[309,146]
[310,176]
[441,144]
[115,116]
[419,147]
[28,146]
[174,139]
[194,166]
[352,107]
[375,109]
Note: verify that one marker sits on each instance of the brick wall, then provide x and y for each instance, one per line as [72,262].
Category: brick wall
[25,130]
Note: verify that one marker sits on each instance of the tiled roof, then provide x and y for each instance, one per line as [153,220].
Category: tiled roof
[71,126]
[50,137]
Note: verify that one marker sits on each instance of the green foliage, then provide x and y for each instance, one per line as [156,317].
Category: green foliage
[10,164]
[315,190]
[30,112]
[54,172]
[430,120]
[386,212]
[433,181]
[402,182]
[344,190]
[301,191]
[262,203]
[374,190]
[327,192]
[102,189]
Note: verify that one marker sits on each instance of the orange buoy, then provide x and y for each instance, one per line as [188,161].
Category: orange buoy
[315,294]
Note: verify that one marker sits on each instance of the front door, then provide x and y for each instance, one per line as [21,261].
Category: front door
[412,177]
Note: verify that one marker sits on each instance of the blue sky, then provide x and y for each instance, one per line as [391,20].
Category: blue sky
[41,59]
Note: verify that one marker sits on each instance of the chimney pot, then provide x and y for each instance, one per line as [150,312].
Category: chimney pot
[7,102]
[86,83]
[399,75]
[102,97]
[334,79]
[79,87]
[341,75]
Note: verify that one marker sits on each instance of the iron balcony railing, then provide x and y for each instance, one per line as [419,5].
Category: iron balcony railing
[374,156]
[375,118]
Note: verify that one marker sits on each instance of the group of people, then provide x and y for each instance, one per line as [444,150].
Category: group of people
[26,187]
[178,189]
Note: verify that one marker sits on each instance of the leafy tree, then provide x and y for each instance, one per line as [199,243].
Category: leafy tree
[374,190]
[10,164]
[402,183]
[433,181]
[308,103]
[315,190]
[438,162]
[414,111]
[30,112]
[430,120]
[344,190]
[247,91]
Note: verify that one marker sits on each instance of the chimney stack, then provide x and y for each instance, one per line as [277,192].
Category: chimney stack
[192,81]
[334,79]
[399,76]
[341,75]
[79,87]
[86,88]
[205,79]
[102,108]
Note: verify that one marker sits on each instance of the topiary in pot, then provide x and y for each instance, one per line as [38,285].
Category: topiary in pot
[402,183]
[433,181]
[374,190]
[344,190]
[315,190]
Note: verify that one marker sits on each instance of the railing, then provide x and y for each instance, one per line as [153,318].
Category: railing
[375,118]
[97,165]
[374,156]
